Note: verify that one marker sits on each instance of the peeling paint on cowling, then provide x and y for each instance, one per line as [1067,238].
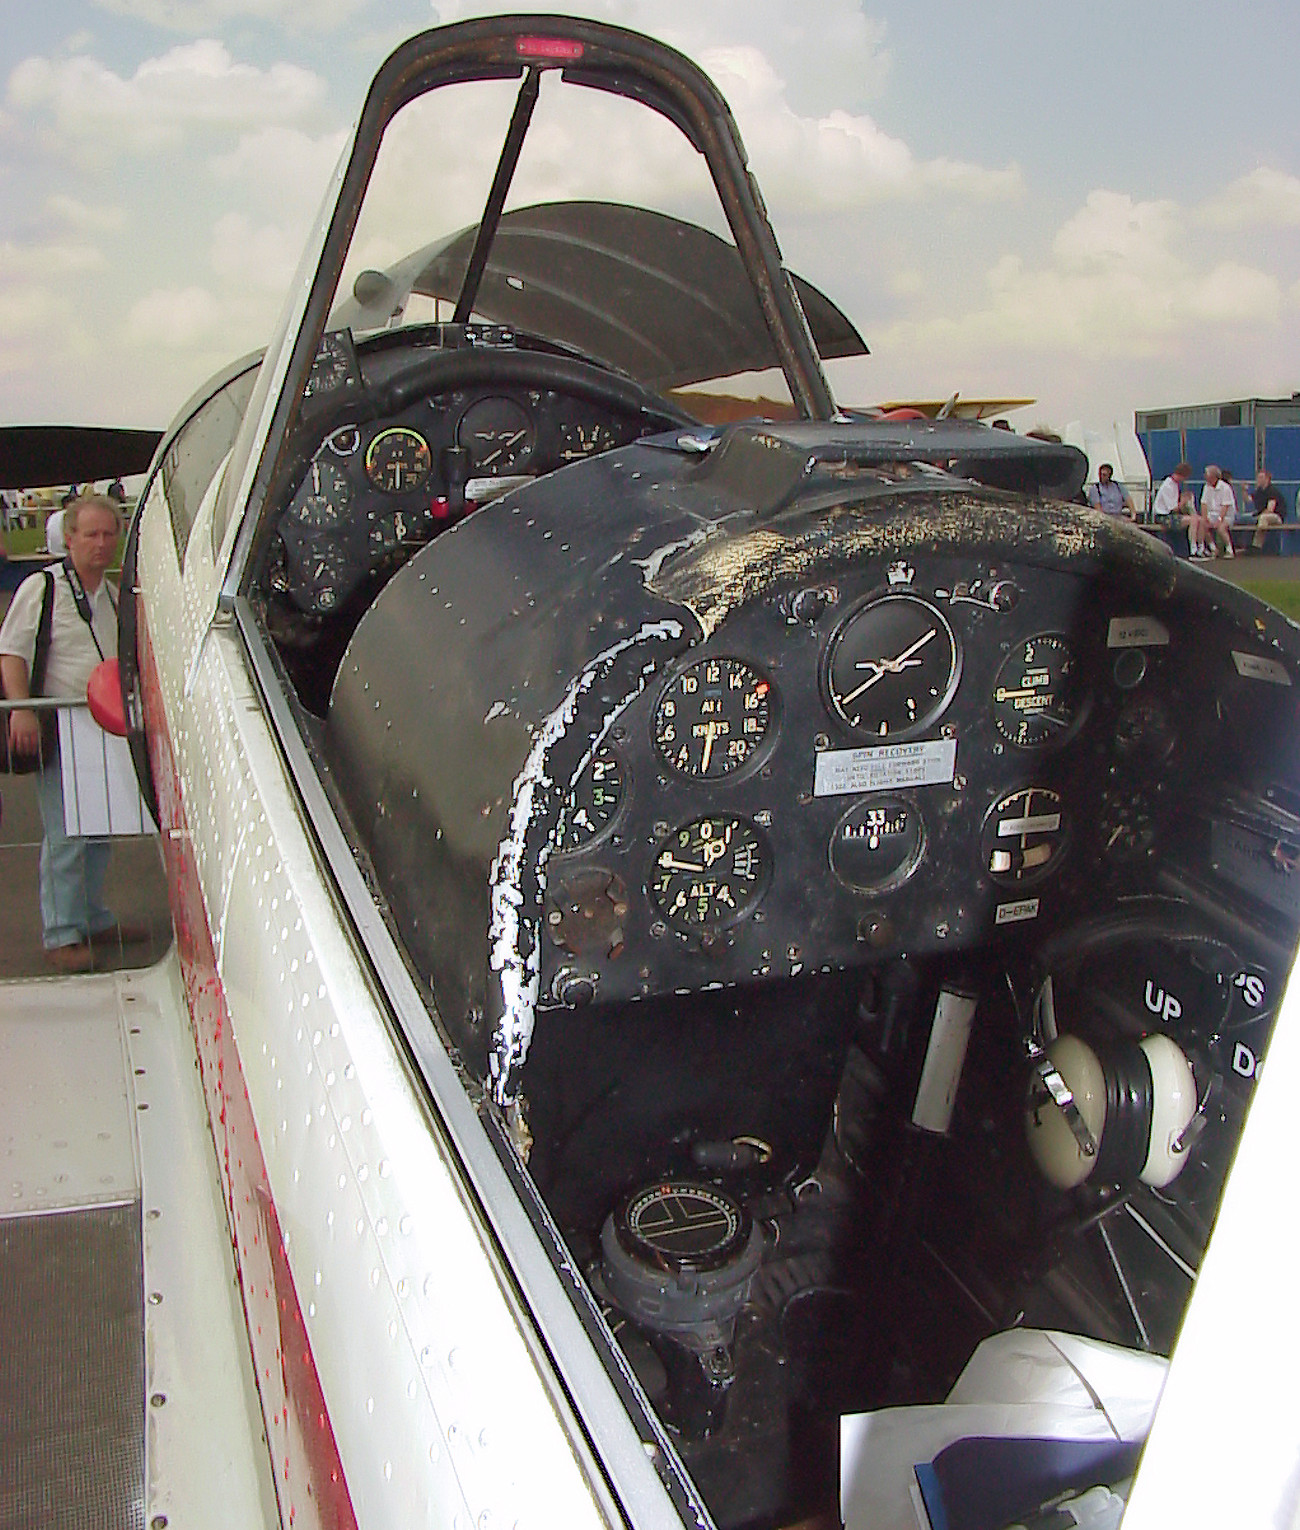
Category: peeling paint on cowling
[517,880]
[723,573]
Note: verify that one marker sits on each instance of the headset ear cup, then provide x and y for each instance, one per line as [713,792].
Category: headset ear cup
[1174,1104]
[1126,1136]
[1054,1139]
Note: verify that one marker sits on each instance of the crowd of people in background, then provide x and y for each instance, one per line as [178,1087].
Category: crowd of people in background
[1207,521]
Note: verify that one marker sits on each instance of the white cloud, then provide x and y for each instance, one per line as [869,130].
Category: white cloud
[1264,196]
[174,316]
[47,260]
[196,86]
[200,16]
[281,166]
[264,257]
[83,219]
[839,160]
[1121,294]
[26,310]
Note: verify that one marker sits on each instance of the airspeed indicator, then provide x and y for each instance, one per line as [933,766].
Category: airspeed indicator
[713,718]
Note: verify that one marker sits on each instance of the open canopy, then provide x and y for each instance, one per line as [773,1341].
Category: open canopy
[659,298]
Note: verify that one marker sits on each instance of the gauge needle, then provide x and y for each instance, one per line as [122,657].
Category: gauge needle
[670,864]
[882,667]
[905,659]
[710,733]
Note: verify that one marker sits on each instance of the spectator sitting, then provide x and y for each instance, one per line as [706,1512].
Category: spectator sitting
[1269,511]
[1218,512]
[1109,496]
[1174,505]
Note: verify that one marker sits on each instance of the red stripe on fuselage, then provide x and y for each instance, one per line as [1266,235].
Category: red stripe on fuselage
[304,1456]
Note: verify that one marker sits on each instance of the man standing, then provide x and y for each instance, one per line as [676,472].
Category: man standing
[1270,510]
[1108,495]
[82,632]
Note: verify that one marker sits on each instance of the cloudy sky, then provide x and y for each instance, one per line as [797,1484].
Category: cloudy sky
[1097,205]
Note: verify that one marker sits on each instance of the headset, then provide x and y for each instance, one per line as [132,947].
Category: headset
[1114,1113]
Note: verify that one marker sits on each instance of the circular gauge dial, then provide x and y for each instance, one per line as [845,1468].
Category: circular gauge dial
[877,845]
[323,499]
[325,570]
[1035,697]
[387,532]
[594,804]
[1023,835]
[682,1225]
[713,718]
[891,668]
[709,874]
[498,435]
[397,460]
[331,366]
[577,441]
[345,441]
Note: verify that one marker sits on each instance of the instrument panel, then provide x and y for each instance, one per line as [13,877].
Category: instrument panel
[374,491]
[927,757]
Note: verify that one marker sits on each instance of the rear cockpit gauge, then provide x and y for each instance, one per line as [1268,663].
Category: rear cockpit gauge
[877,845]
[1023,836]
[326,574]
[1144,732]
[398,460]
[891,668]
[334,365]
[498,435]
[1126,824]
[709,874]
[594,804]
[387,533]
[322,502]
[578,441]
[345,441]
[1035,694]
[713,718]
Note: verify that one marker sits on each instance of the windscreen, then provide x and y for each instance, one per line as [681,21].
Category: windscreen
[611,241]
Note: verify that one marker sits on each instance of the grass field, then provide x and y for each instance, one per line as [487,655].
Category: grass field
[1282,593]
[26,539]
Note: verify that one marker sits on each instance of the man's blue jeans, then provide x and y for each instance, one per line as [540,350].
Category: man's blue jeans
[72,871]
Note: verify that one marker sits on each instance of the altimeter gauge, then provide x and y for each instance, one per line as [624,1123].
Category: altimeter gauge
[709,874]
[891,668]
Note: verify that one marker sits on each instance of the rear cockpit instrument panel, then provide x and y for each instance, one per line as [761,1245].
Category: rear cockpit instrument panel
[375,490]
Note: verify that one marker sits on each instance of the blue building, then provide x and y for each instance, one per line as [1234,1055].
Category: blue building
[1242,436]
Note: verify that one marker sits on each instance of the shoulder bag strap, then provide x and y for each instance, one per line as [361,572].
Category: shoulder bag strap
[44,628]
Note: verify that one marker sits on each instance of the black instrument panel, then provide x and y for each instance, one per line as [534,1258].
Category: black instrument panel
[1020,739]
[374,491]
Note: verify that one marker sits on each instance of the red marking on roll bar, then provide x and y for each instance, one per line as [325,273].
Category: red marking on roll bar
[564,49]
